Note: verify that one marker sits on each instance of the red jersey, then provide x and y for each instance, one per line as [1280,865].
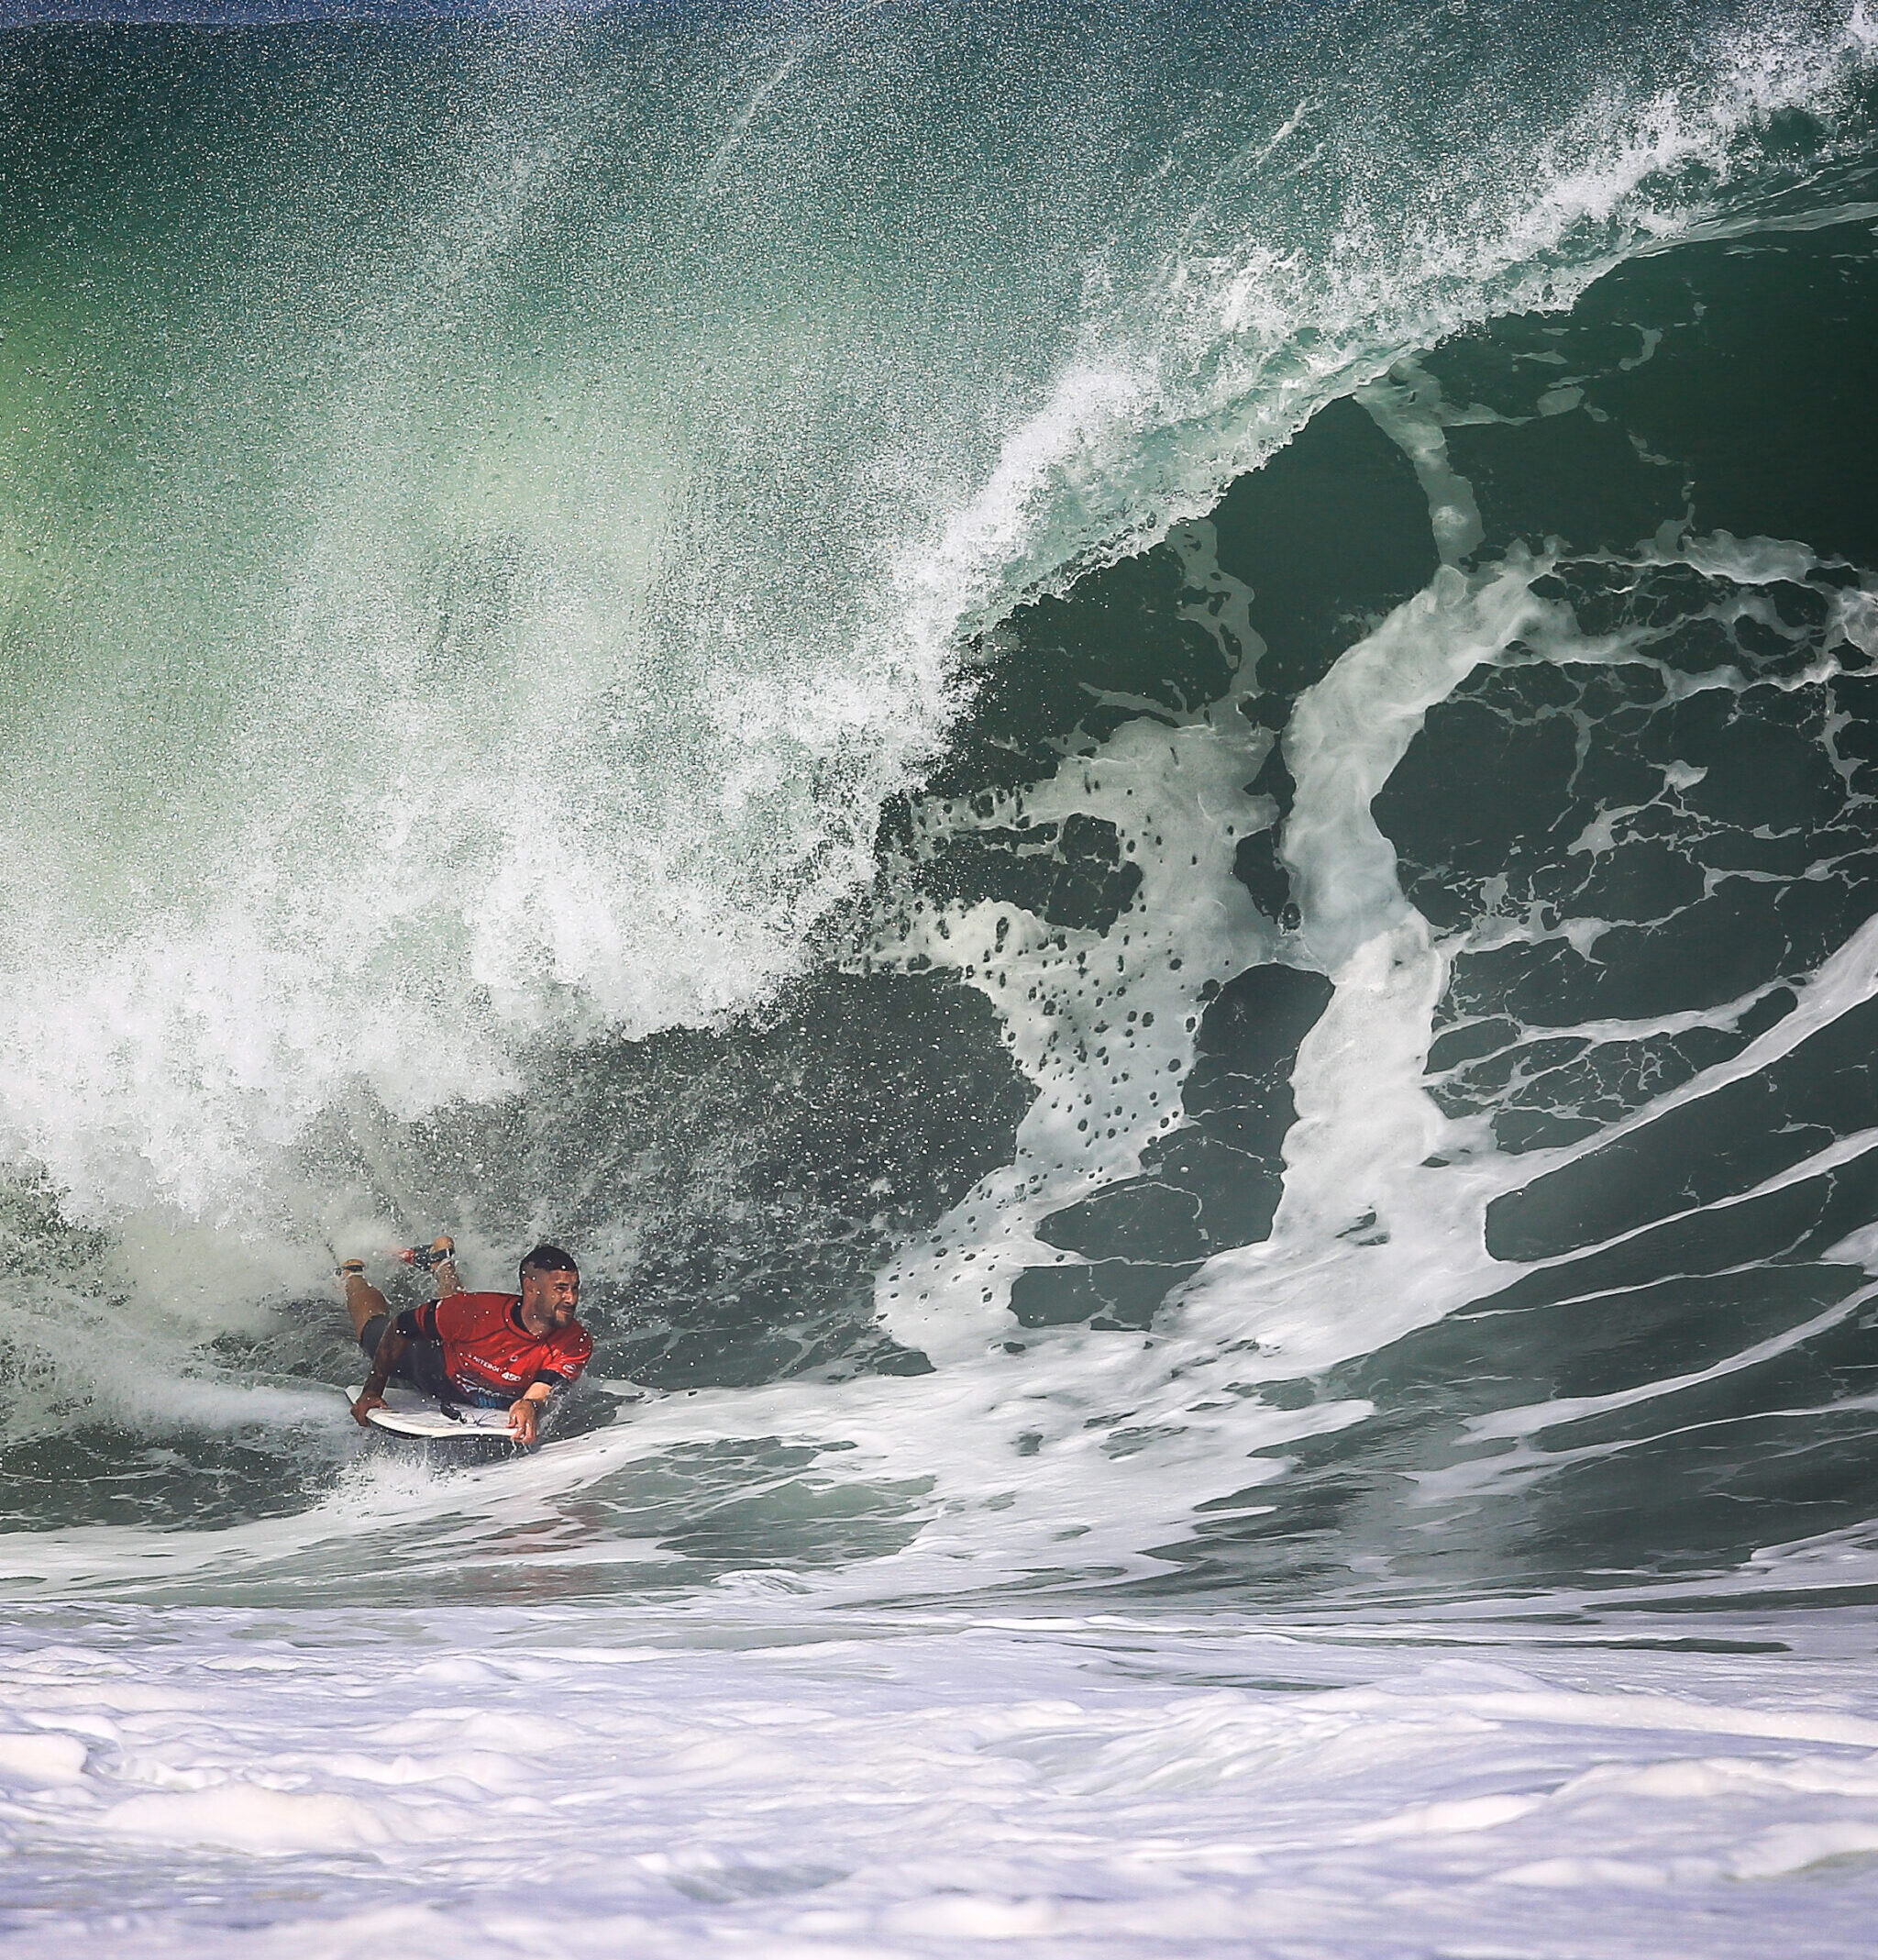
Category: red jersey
[486,1350]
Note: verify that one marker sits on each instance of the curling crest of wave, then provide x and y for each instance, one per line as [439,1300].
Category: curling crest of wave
[1255,319]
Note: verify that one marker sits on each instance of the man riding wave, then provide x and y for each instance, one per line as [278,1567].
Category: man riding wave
[490,1350]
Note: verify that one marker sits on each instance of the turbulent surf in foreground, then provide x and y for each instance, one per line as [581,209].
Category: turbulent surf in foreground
[1132,754]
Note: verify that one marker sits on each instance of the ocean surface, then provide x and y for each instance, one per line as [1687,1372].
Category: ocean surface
[1131,752]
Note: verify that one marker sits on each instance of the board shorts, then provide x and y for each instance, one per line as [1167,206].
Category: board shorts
[421,1366]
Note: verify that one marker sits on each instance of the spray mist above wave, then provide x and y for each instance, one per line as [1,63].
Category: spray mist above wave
[497,514]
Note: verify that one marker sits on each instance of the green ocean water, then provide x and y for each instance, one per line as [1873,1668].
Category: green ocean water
[1150,726]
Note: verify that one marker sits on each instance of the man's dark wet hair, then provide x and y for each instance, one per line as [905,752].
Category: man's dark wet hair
[547,1259]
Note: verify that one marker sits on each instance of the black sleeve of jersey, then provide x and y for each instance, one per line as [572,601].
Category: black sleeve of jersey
[419,1323]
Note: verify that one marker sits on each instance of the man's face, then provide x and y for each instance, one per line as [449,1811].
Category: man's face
[548,1299]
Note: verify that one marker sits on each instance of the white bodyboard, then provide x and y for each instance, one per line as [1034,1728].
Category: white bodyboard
[408,1413]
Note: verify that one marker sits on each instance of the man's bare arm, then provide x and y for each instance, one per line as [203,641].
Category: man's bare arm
[390,1347]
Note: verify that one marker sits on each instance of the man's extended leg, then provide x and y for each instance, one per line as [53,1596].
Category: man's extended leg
[363,1300]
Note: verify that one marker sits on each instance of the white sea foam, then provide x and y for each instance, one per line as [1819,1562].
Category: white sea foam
[678,1781]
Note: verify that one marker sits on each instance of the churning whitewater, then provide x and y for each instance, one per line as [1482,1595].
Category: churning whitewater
[1132,755]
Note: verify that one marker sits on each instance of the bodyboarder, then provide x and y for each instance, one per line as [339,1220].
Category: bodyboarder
[490,1350]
